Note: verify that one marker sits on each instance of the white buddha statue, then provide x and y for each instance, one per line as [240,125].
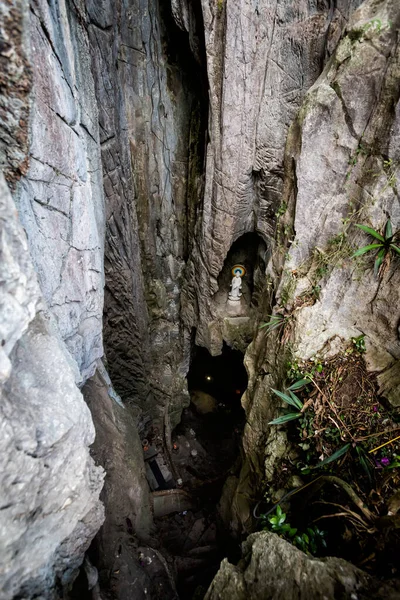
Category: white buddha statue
[236,286]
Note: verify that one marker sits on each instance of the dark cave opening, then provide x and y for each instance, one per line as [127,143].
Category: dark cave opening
[250,251]
[224,377]
[206,450]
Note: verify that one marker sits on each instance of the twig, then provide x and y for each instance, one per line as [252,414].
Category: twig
[385,444]
[347,510]
[351,493]
[360,439]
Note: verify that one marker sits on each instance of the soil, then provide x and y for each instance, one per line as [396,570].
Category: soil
[348,426]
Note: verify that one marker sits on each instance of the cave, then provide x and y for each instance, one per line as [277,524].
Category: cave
[251,252]
[146,149]
[206,448]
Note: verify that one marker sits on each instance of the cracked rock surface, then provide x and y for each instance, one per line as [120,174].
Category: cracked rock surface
[60,199]
[49,499]
[273,569]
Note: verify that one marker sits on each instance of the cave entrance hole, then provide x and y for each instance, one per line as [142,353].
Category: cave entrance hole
[208,439]
[206,449]
[250,251]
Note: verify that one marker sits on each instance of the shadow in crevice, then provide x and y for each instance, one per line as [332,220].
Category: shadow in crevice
[206,450]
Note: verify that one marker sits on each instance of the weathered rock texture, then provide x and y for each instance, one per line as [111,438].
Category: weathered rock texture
[60,200]
[49,499]
[15,81]
[341,167]
[273,569]
[149,92]
[125,494]
[303,131]
[261,60]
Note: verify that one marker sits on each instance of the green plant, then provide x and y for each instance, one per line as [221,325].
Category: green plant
[277,523]
[311,541]
[275,321]
[335,456]
[385,244]
[288,287]
[291,399]
[395,462]
[365,462]
[359,343]
[281,210]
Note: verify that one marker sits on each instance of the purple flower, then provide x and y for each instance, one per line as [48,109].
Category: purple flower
[375,408]
[385,461]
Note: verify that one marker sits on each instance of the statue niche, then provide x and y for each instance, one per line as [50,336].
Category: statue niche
[235,293]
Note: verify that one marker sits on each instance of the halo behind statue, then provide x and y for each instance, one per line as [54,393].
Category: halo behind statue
[238,269]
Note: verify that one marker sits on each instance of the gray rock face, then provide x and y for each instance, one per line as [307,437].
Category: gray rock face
[49,499]
[149,126]
[15,79]
[126,493]
[261,59]
[341,168]
[60,200]
[349,163]
[273,569]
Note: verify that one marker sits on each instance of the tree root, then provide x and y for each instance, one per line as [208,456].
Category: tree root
[350,492]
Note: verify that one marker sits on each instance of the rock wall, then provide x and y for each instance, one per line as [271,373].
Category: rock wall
[303,133]
[60,199]
[273,569]
[151,112]
[261,60]
[341,168]
[49,499]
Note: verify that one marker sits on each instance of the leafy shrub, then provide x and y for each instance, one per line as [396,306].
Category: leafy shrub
[384,245]
[291,399]
[311,541]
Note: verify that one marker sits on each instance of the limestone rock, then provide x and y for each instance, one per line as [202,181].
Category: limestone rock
[341,168]
[60,198]
[273,569]
[126,495]
[151,128]
[49,499]
[261,60]
[16,81]
[343,141]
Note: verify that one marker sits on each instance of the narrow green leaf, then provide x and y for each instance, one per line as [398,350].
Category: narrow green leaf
[367,468]
[279,510]
[285,398]
[289,417]
[334,456]
[296,400]
[372,232]
[388,230]
[365,249]
[297,385]
[274,322]
[379,260]
[395,248]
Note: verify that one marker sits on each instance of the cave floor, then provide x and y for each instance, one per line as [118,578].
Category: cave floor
[206,449]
